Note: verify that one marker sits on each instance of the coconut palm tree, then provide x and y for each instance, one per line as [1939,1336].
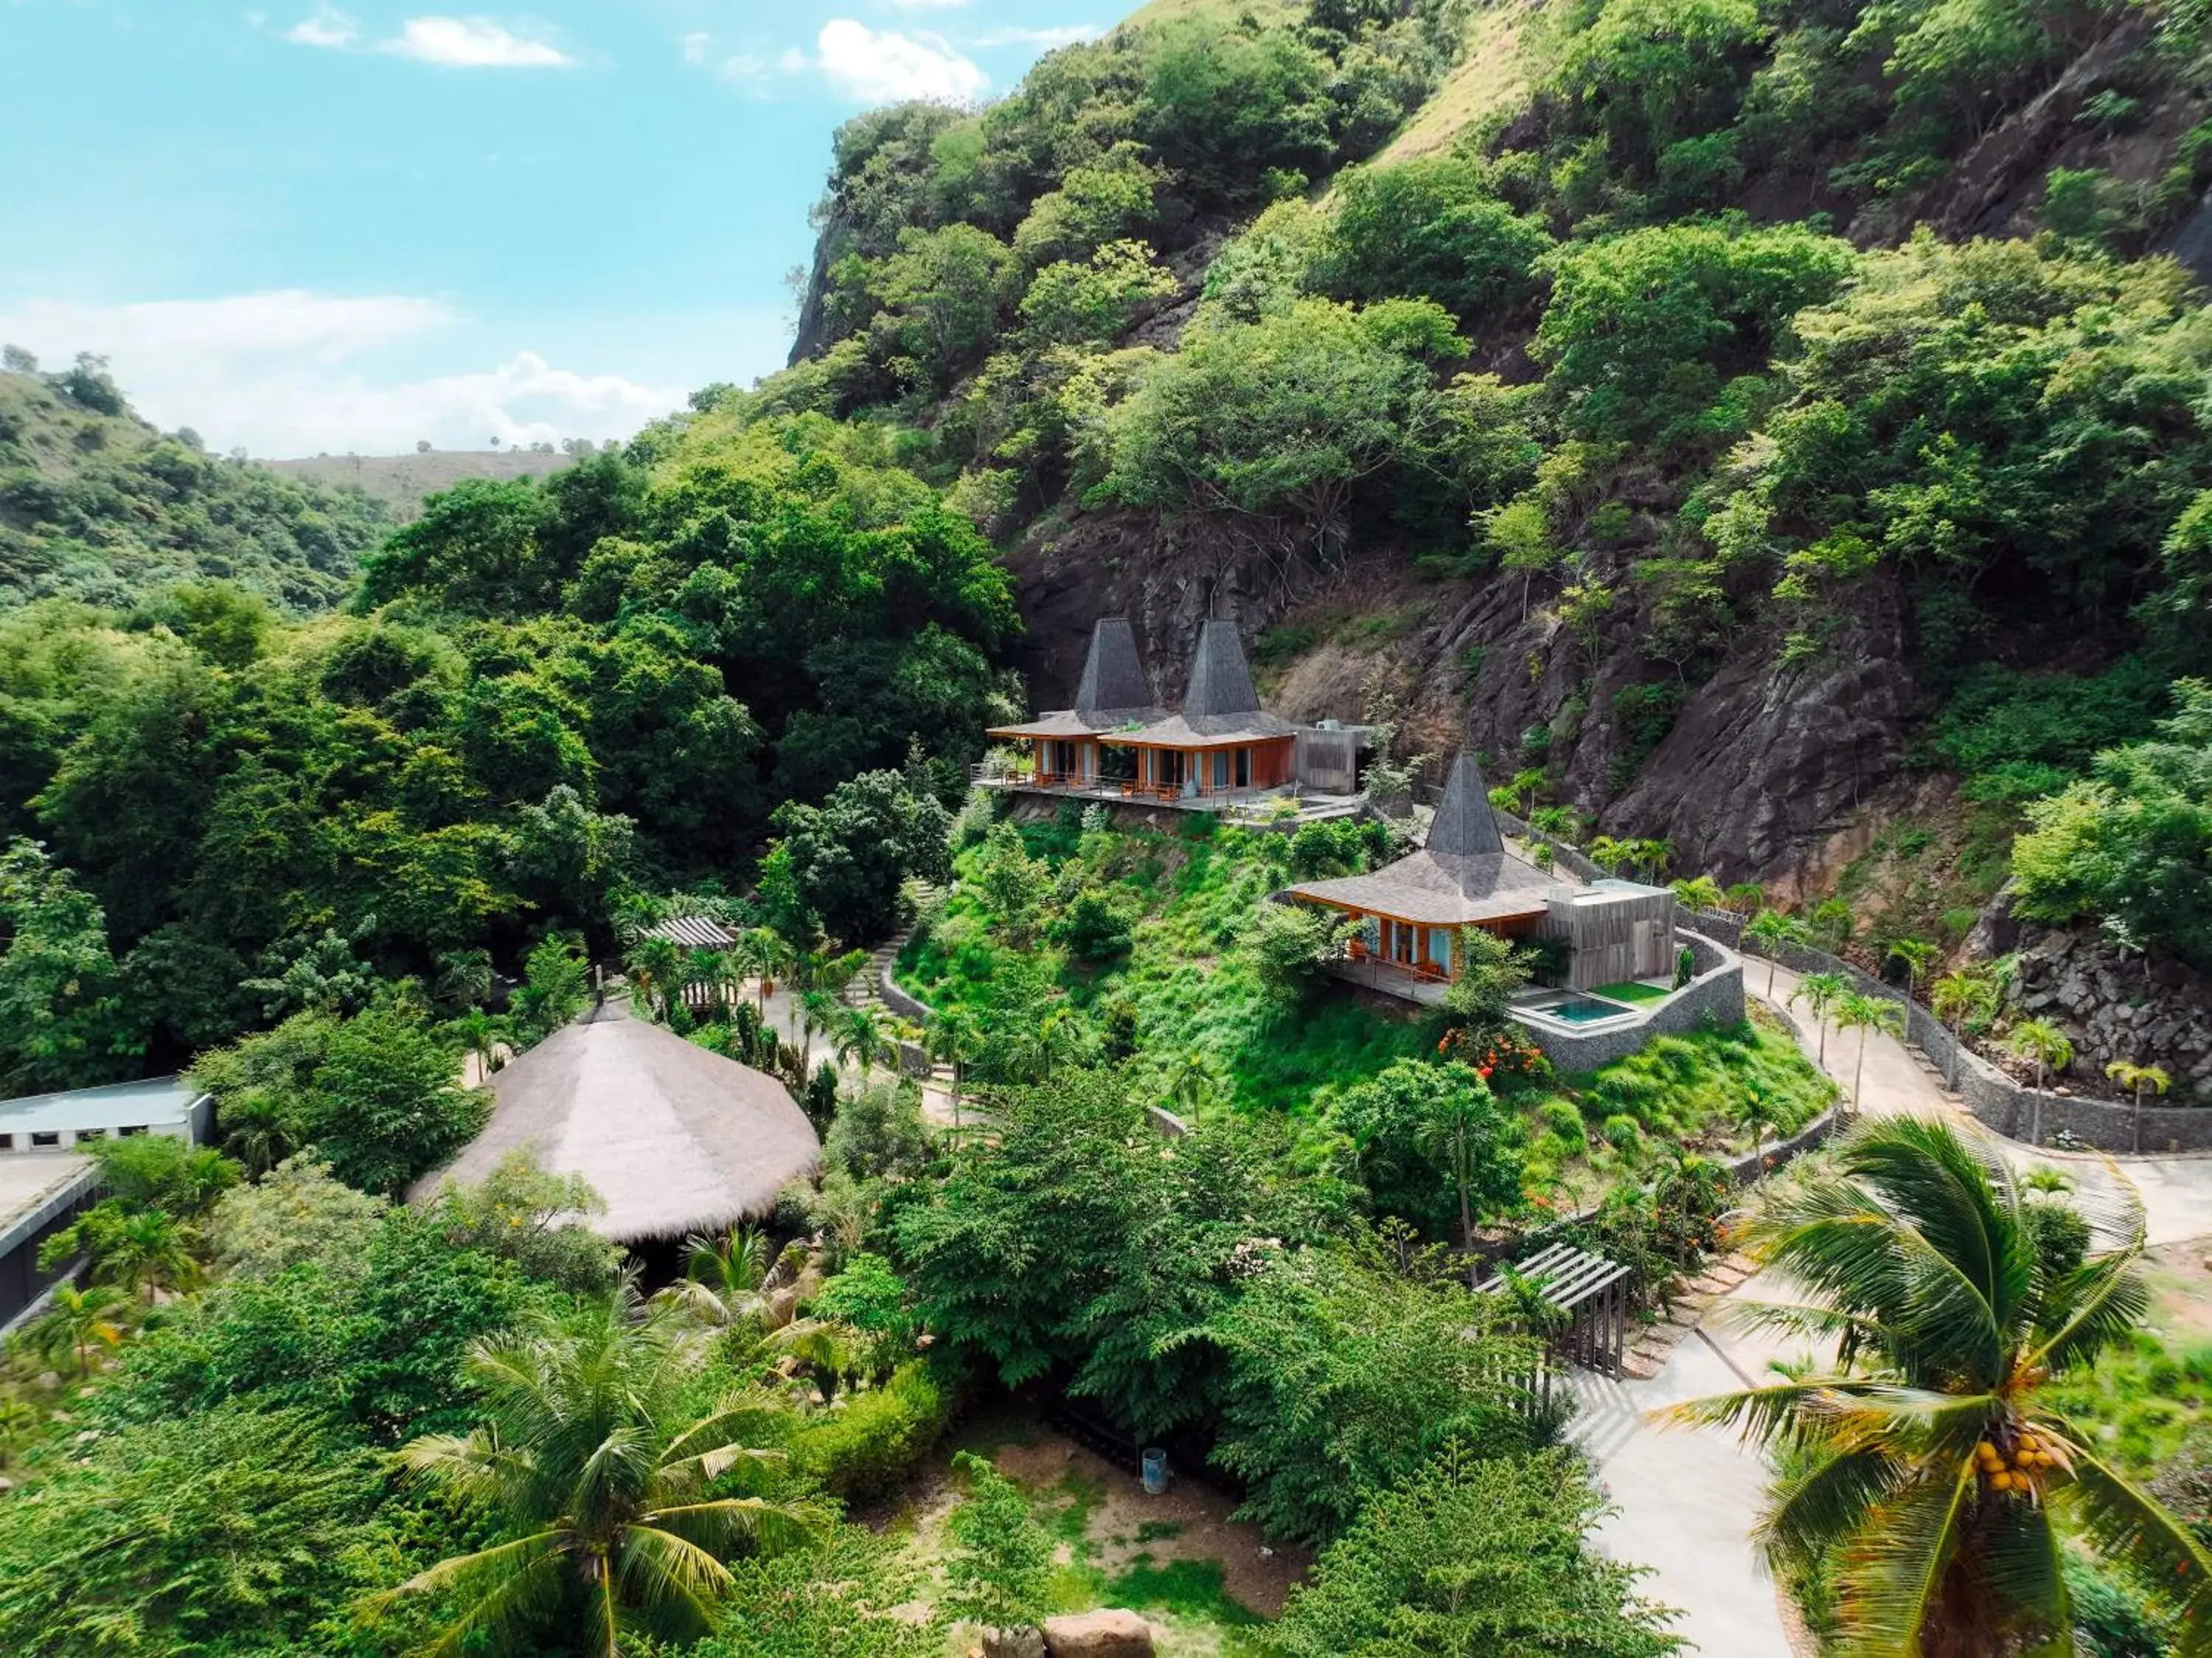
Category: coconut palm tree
[1854,1010]
[1559,822]
[1770,929]
[588,1454]
[1956,998]
[1918,955]
[953,1038]
[2044,1046]
[2139,1080]
[76,1321]
[1745,897]
[480,1034]
[725,1279]
[710,971]
[1611,855]
[1931,1469]
[863,1036]
[1819,992]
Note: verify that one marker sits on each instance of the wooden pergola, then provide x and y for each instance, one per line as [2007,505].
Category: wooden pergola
[1592,1291]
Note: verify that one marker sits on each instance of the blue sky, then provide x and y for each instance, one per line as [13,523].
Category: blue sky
[302,226]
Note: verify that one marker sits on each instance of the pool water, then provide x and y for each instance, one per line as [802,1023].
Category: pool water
[1582,1011]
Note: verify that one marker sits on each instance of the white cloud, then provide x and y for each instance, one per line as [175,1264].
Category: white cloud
[1067,36]
[329,27]
[472,43]
[697,45]
[276,373]
[927,5]
[887,67]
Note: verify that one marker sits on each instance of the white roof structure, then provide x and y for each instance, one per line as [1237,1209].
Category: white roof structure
[156,1104]
[694,933]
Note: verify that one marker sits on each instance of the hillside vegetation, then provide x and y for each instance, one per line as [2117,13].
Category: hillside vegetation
[1693,399]
[96,505]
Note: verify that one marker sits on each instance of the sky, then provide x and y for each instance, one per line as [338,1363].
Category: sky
[303,227]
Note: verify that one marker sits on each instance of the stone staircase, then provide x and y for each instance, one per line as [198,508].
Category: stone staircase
[1650,1347]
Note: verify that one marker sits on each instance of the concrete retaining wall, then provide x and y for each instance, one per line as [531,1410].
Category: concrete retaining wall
[1718,990]
[1995,1099]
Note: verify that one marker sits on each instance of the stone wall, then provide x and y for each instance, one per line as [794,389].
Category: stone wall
[1998,1102]
[2116,1006]
[1718,990]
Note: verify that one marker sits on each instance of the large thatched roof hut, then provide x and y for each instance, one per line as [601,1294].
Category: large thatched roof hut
[676,1139]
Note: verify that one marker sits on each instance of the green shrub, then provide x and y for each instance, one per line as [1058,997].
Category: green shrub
[1563,1119]
[1622,1132]
[868,1445]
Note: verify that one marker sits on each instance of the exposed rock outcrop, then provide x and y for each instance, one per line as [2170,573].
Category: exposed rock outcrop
[2114,1005]
[1107,1634]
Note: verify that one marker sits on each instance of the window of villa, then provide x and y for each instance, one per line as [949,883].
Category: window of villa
[7,1143]
[84,1134]
[135,1128]
[45,1136]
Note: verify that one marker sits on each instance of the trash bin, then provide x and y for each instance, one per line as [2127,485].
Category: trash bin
[1156,1472]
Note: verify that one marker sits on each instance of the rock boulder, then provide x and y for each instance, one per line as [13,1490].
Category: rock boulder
[1107,1634]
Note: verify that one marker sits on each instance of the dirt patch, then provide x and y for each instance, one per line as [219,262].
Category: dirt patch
[2181,1279]
[1190,1521]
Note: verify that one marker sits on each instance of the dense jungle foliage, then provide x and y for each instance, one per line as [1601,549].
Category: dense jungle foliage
[96,505]
[541,701]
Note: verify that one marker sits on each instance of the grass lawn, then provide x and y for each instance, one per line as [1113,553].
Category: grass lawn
[1634,990]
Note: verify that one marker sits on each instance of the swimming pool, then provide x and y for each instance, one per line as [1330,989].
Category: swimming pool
[1579,1010]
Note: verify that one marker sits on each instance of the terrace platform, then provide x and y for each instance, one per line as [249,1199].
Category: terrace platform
[1247,808]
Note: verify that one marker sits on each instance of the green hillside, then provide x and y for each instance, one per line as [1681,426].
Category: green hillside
[97,505]
[1679,395]
[401,483]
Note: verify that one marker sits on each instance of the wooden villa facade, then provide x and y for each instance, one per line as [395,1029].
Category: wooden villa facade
[1413,910]
[1116,742]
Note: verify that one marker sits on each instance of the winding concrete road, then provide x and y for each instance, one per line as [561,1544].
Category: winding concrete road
[1688,1498]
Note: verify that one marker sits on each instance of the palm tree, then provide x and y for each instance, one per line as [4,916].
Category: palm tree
[768,958]
[2042,1043]
[1956,998]
[1652,856]
[863,1036]
[480,1034]
[1559,822]
[953,1038]
[147,1250]
[1699,892]
[710,972]
[1610,855]
[816,977]
[1770,929]
[1932,1474]
[1745,897]
[465,977]
[1755,1116]
[724,1278]
[1524,787]
[655,967]
[1819,992]
[1857,1011]
[258,1130]
[2139,1080]
[587,1451]
[1918,955]
[1453,1136]
[1191,1084]
[76,1321]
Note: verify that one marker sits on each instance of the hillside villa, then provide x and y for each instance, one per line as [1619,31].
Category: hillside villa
[1412,912]
[1220,747]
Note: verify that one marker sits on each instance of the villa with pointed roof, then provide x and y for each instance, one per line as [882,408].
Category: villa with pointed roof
[1221,744]
[1413,911]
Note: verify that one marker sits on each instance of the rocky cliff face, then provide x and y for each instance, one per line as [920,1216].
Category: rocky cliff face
[1757,766]
[2112,1004]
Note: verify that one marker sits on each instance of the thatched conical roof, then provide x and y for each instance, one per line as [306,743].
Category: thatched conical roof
[1115,687]
[676,1139]
[1464,825]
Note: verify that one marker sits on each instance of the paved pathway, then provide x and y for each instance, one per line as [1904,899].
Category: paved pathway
[1687,1497]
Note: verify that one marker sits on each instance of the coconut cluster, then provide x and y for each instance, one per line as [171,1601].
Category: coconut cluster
[2022,1468]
